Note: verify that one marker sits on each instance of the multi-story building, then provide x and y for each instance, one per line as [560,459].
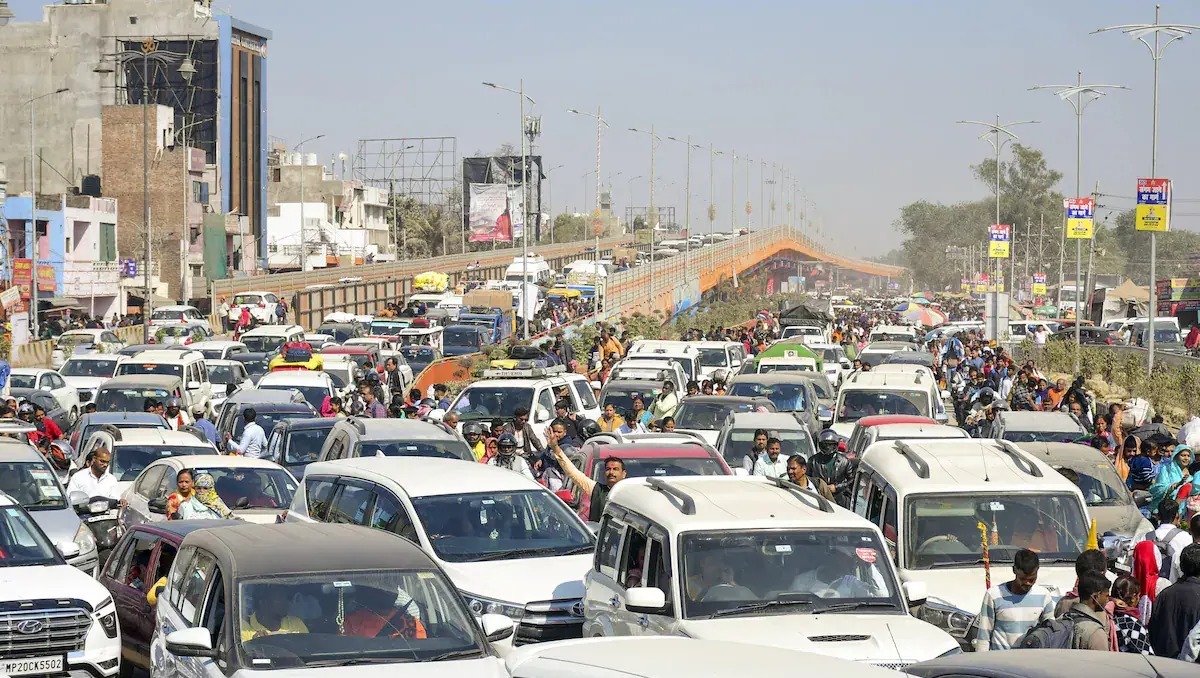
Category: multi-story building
[213,76]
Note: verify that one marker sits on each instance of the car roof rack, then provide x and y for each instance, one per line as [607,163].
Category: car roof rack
[907,451]
[688,506]
[357,423]
[1022,460]
[822,503]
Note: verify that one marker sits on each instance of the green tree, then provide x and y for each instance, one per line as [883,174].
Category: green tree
[568,228]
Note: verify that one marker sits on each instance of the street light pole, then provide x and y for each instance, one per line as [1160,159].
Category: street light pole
[687,209]
[1140,32]
[520,92]
[303,226]
[600,125]
[550,199]
[33,168]
[652,215]
[998,144]
[1079,96]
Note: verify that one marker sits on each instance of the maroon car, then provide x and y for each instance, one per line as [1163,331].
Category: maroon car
[647,460]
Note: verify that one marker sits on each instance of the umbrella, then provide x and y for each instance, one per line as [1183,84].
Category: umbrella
[917,296]
[910,305]
[920,300]
[926,317]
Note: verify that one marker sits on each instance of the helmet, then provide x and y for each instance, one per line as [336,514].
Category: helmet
[588,428]
[172,402]
[828,441]
[25,408]
[721,375]
[428,402]
[472,427]
[371,377]
[986,395]
[507,444]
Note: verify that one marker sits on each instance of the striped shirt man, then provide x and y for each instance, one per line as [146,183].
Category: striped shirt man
[1006,616]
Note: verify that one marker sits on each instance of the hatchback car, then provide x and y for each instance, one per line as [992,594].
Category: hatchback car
[365,437]
[296,443]
[255,490]
[269,406]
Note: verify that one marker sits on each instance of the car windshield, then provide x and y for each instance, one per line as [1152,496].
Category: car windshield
[708,415]
[763,572]
[247,299]
[22,543]
[1099,483]
[765,367]
[262,343]
[740,440]
[386,329]
[338,332]
[460,336]
[944,529]
[335,618]
[166,370]
[267,420]
[1043,436]
[83,367]
[830,355]
[251,488]
[713,357]
[130,460]
[128,399]
[74,339]
[256,368]
[313,395]
[489,402]
[31,484]
[501,526]
[622,398]
[444,449]
[166,315]
[22,381]
[222,374]
[360,360]
[178,330]
[786,397]
[212,353]
[863,403]
[659,466]
[304,445]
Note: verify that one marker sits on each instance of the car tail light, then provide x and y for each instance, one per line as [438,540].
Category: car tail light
[841,446]
[152,340]
[187,341]
[1108,340]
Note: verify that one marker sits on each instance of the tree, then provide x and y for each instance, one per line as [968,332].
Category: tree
[568,228]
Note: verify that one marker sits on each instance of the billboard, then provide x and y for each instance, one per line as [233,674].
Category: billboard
[488,219]
[999,241]
[1153,212]
[504,169]
[1039,284]
[1080,221]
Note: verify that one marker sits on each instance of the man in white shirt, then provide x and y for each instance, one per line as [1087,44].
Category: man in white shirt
[1041,335]
[1175,538]
[96,481]
[175,416]
[254,442]
[772,464]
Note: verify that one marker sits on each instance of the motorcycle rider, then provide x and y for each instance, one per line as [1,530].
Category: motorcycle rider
[835,469]
[96,481]
[473,432]
[508,457]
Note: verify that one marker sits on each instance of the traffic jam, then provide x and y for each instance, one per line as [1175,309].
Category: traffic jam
[832,482]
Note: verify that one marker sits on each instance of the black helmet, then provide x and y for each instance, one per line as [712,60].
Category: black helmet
[828,441]
[507,444]
[986,395]
[472,427]
[588,428]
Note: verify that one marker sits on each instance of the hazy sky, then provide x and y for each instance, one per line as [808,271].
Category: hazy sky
[857,98]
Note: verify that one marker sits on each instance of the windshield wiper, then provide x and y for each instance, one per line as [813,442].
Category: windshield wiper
[515,553]
[354,661]
[756,607]
[842,607]
[955,563]
[456,654]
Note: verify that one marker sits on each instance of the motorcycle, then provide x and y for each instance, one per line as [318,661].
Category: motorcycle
[100,515]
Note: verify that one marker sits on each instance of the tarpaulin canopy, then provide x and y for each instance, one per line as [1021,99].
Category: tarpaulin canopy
[925,317]
[790,349]
[804,312]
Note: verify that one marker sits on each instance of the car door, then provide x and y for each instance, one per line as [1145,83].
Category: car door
[127,577]
[205,385]
[187,588]
[136,509]
[658,572]
[630,573]
[602,599]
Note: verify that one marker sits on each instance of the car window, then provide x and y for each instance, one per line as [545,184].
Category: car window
[390,515]
[319,491]
[658,566]
[350,504]
[607,546]
[175,579]
[583,391]
[166,557]
[194,585]
[134,569]
[147,485]
[633,557]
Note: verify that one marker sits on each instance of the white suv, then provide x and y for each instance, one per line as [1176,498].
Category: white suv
[752,559]
[502,391]
[54,619]
[187,365]
[868,393]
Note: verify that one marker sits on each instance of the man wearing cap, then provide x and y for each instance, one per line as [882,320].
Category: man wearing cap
[206,426]
[563,415]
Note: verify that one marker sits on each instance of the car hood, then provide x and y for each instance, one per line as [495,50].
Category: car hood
[58,524]
[709,435]
[1123,521]
[558,578]
[85,382]
[50,582]
[963,587]
[843,428]
[485,667]
[857,637]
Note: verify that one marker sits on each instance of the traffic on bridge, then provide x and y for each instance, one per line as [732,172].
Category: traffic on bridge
[422,411]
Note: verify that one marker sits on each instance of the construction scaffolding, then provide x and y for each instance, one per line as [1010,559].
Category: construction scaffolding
[423,170]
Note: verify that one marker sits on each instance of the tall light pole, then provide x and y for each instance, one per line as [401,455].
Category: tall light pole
[1079,96]
[299,148]
[1142,33]
[749,161]
[550,198]
[652,211]
[520,92]
[629,192]
[148,52]
[34,161]
[687,208]
[596,227]
[712,201]
[998,142]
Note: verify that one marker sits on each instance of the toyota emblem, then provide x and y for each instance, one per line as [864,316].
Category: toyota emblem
[577,609]
[29,626]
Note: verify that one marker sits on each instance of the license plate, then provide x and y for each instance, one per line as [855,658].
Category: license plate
[32,666]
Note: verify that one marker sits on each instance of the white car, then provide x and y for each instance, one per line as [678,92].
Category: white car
[133,449]
[314,386]
[834,361]
[868,393]
[502,391]
[487,527]
[84,341]
[219,349]
[271,339]
[227,377]
[176,315]
[261,304]
[255,490]
[40,379]
[757,560]
[85,373]
[56,618]
[188,366]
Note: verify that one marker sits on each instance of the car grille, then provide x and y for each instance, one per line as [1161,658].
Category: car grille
[895,665]
[836,639]
[42,630]
[550,620]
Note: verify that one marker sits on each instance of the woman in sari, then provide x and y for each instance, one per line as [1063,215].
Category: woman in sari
[205,502]
[184,492]
[1171,476]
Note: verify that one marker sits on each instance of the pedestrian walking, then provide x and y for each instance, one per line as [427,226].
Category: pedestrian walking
[1011,609]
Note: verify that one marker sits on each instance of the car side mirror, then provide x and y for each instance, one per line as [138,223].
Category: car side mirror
[916,592]
[595,385]
[846,364]
[825,414]
[79,501]
[158,505]
[946,395]
[193,385]
[941,417]
[645,600]
[541,415]
[496,627]
[193,642]
[67,549]
[230,388]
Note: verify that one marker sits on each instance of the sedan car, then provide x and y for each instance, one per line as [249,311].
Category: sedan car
[85,373]
[1037,427]
[227,377]
[90,423]
[34,378]
[255,490]
[256,363]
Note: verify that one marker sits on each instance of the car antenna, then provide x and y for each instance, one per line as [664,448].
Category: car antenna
[983,457]
[1157,673]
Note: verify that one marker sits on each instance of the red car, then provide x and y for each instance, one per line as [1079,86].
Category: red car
[647,460]
[361,355]
[906,426]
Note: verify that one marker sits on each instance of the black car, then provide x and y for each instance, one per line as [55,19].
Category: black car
[420,357]
[1092,336]
[256,363]
[341,332]
[269,406]
[296,443]
[44,400]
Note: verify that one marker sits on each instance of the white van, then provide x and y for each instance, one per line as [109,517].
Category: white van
[188,366]
[893,333]
[930,499]
[532,269]
[683,352]
[271,338]
[752,559]
[868,393]
[720,355]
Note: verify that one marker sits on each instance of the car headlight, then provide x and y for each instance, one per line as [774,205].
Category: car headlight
[480,606]
[108,622]
[945,616]
[84,539]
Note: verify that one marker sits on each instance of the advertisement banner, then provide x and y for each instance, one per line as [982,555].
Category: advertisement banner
[1080,221]
[46,280]
[1039,284]
[489,220]
[10,297]
[964,284]
[22,271]
[516,212]
[999,241]
[1178,289]
[1153,212]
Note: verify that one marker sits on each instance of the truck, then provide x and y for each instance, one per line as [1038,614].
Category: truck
[491,310]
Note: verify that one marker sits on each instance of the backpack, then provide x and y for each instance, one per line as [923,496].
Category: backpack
[1064,633]
[1163,545]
